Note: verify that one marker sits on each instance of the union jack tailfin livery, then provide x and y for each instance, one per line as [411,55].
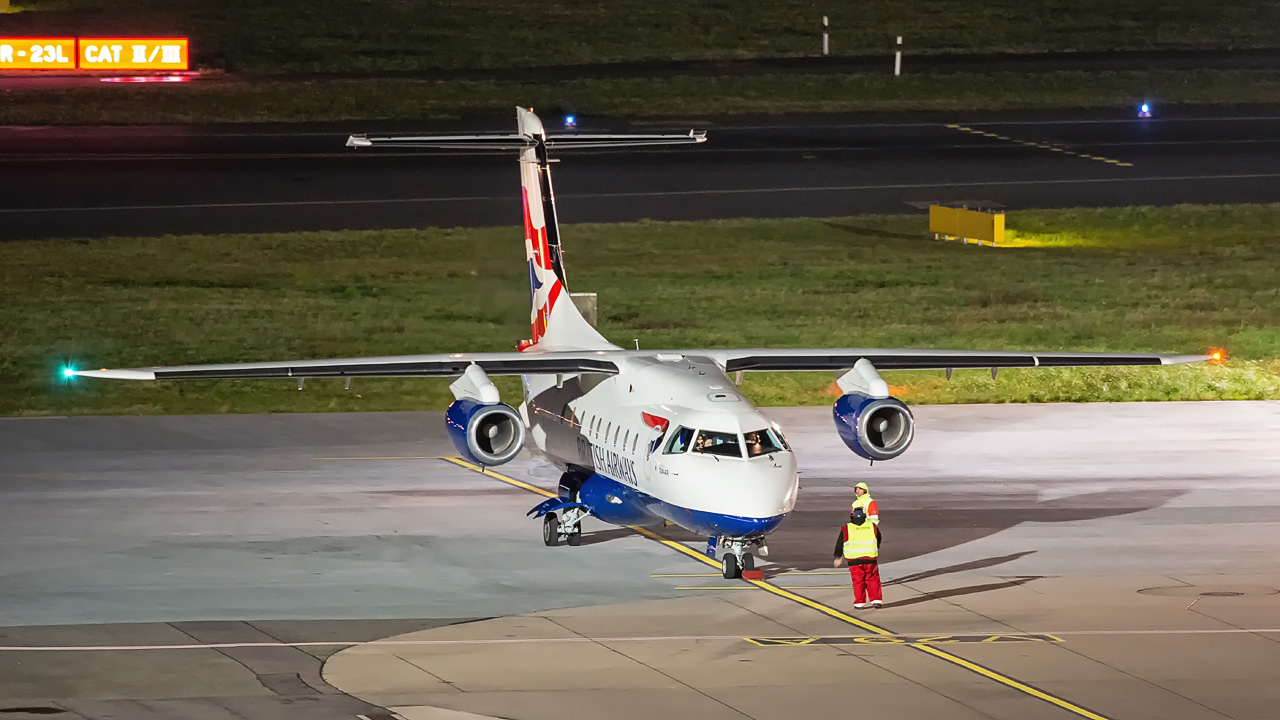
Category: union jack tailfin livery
[554,319]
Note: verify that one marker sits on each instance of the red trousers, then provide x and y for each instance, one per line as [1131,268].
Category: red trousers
[866,582]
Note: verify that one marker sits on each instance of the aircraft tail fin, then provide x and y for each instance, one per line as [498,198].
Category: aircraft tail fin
[555,322]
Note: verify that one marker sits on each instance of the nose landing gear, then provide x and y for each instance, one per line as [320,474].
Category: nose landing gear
[737,557]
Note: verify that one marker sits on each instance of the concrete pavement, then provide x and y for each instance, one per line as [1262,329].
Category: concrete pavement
[240,538]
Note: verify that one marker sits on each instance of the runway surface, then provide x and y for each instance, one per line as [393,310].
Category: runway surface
[1141,537]
[94,182]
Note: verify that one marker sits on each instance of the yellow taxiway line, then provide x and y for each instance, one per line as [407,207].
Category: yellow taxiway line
[827,610]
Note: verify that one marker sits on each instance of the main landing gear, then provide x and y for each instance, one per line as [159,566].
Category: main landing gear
[567,528]
[737,557]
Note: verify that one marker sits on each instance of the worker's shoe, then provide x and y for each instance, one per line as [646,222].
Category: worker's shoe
[859,606]
[877,604]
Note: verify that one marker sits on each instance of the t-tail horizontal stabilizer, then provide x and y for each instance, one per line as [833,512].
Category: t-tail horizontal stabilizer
[515,141]
[530,134]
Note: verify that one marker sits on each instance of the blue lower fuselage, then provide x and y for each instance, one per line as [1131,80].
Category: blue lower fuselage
[620,504]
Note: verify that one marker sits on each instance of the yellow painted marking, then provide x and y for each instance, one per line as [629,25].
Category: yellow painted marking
[1010,682]
[789,575]
[907,640]
[819,607]
[784,587]
[1039,146]
[774,642]
[508,480]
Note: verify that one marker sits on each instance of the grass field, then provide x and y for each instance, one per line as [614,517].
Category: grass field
[1172,280]
[341,35]
[400,99]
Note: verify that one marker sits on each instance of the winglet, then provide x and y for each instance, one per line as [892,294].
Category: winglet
[117,374]
[359,141]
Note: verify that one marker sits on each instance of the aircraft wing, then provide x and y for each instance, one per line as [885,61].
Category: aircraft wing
[450,365]
[911,359]
[602,361]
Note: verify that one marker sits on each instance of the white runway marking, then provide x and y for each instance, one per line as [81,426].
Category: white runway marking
[532,641]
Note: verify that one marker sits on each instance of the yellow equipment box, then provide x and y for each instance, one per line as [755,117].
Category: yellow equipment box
[966,225]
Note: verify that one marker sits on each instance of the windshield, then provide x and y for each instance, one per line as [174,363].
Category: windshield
[718,443]
[762,442]
[679,441]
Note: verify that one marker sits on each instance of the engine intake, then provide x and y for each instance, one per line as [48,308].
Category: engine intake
[487,434]
[874,428]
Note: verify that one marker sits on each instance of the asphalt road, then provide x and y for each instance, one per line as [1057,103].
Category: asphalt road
[264,544]
[95,182]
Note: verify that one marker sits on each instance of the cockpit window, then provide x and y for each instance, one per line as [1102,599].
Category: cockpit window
[680,440]
[763,442]
[718,443]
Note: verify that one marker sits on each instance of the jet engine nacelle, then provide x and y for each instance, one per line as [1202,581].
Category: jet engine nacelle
[487,434]
[874,428]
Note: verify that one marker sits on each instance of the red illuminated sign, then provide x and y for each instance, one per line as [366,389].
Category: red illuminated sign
[121,53]
[133,54]
[37,53]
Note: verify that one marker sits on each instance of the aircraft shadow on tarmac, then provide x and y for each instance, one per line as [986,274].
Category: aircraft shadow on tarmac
[966,590]
[806,540]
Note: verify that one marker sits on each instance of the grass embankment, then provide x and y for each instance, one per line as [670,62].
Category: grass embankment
[267,100]
[1174,280]
[340,35]
[266,39]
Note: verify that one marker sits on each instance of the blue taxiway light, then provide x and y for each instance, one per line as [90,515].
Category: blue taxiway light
[570,121]
[1144,110]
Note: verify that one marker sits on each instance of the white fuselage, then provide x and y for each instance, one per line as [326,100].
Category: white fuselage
[596,424]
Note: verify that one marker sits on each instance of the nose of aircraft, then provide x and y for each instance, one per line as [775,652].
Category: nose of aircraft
[762,487]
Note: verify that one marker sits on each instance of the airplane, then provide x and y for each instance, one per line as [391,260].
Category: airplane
[641,437]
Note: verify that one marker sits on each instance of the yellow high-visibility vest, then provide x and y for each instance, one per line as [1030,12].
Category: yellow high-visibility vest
[861,542]
[869,506]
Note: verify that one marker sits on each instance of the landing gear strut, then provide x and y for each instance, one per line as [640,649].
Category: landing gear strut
[567,528]
[738,558]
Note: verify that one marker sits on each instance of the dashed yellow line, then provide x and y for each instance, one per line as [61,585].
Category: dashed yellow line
[822,608]
[1039,146]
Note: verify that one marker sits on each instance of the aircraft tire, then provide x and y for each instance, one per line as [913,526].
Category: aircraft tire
[550,530]
[575,537]
[729,567]
[748,562]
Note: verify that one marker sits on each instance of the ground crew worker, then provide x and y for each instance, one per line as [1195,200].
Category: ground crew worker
[859,544]
[862,499]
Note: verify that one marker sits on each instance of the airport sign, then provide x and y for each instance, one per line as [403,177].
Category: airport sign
[94,53]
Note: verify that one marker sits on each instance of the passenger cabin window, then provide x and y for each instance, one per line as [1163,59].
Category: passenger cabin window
[635,441]
[762,442]
[718,443]
[680,440]
[616,433]
[626,438]
[607,428]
